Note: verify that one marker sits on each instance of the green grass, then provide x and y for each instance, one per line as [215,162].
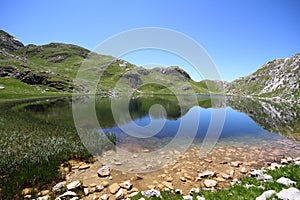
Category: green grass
[16,89]
[32,148]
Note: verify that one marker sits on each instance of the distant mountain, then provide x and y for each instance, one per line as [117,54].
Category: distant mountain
[53,67]
[277,78]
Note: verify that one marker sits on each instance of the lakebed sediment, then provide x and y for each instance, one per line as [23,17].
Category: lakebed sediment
[223,165]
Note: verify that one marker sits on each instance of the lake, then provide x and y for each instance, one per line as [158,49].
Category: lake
[150,132]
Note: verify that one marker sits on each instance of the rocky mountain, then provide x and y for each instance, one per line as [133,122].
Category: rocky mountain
[277,78]
[53,68]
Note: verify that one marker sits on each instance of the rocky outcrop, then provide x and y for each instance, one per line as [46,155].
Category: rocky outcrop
[277,78]
[8,42]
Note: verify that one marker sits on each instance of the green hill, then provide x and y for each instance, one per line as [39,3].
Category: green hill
[52,68]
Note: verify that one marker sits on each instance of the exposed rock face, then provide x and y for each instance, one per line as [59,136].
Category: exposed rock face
[279,77]
[133,79]
[174,70]
[8,42]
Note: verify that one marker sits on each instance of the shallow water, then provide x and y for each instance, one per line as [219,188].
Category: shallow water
[162,124]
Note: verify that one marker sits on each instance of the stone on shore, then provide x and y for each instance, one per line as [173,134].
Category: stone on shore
[114,188]
[285,181]
[290,194]
[210,183]
[151,193]
[266,194]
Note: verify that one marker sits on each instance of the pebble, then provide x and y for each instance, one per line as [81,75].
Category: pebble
[194,191]
[103,171]
[85,191]
[182,179]
[59,186]
[226,176]
[104,197]
[206,174]
[151,193]
[82,167]
[73,185]
[105,183]
[27,191]
[150,187]
[274,166]
[114,188]
[46,197]
[121,193]
[99,188]
[66,194]
[244,170]
[234,164]
[187,197]
[43,192]
[169,179]
[210,183]
[126,185]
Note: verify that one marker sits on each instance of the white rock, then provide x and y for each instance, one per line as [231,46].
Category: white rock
[187,197]
[274,166]
[151,193]
[126,184]
[266,194]
[74,198]
[267,177]
[289,194]
[194,191]
[104,197]
[66,194]
[297,162]
[103,171]
[206,174]
[121,193]
[247,186]
[210,183]
[73,185]
[200,198]
[285,181]
[46,197]
[86,191]
[59,186]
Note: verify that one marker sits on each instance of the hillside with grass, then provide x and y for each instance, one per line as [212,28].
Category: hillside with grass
[51,69]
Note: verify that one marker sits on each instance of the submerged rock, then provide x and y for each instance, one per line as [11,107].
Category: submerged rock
[103,171]
[114,188]
[126,185]
[206,174]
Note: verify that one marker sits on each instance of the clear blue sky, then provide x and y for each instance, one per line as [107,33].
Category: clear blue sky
[239,35]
